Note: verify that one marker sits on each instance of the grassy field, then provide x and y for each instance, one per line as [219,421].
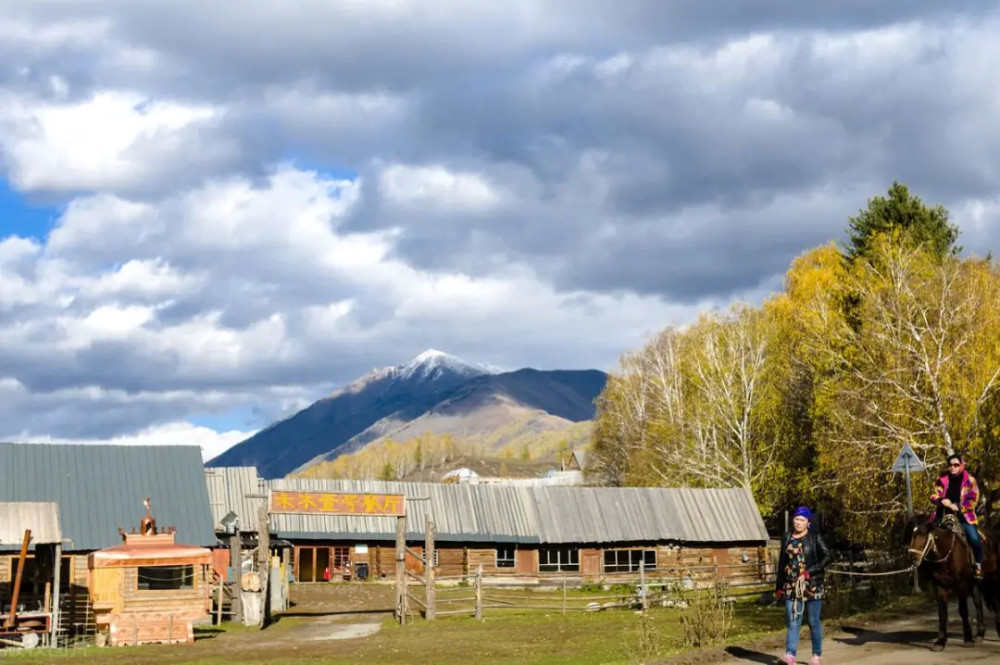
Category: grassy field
[307,635]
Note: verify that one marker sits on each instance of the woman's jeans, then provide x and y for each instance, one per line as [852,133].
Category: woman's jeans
[972,534]
[811,612]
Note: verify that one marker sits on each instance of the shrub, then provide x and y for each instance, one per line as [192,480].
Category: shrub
[709,617]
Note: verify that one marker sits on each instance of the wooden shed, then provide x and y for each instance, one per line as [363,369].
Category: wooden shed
[150,589]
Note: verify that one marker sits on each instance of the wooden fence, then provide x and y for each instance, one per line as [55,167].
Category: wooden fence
[663,587]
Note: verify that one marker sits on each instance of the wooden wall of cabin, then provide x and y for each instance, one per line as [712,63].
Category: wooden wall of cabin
[462,559]
[701,562]
[525,560]
[309,560]
[76,616]
[453,560]
[37,576]
[194,599]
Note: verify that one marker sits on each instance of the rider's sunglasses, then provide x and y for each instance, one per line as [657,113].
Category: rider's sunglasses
[956,464]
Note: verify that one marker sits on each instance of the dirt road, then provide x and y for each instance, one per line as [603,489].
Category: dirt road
[901,642]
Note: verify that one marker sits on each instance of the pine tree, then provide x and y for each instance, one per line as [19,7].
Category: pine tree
[905,214]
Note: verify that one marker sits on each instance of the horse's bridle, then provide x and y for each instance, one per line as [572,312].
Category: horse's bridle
[931,543]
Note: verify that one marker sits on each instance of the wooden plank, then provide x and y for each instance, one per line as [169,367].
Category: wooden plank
[18,577]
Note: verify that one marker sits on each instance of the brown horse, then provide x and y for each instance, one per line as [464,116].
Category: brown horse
[945,559]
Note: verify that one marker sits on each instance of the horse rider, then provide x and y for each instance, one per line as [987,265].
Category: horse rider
[956,491]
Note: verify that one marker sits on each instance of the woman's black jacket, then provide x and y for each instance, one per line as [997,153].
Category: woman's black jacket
[818,557]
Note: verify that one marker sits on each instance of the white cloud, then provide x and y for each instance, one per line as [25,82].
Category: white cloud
[437,187]
[48,36]
[112,139]
[211,442]
[153,279]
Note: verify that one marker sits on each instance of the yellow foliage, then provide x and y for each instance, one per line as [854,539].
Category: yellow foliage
[810,397]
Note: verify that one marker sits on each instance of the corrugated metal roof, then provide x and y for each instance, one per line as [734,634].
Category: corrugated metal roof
[636,514]
[501,513]
[41,517]
[460,512]
[101,487]
[231,488]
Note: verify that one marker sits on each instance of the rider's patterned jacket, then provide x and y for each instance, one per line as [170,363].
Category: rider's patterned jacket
[970,494]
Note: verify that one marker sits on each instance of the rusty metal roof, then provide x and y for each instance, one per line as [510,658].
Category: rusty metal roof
[101,487]
[502,513]
[42,517]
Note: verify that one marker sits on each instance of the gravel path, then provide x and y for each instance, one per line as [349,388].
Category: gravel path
[902,642]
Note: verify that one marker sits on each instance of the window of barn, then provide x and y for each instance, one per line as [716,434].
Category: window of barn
[341,556]
[627,561]
[165,578]
[505,556]
[555,559]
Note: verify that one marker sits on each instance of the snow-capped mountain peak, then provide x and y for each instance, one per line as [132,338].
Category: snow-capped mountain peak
[433,356]
[432,363]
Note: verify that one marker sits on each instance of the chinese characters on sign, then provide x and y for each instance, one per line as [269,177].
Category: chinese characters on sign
[336,503]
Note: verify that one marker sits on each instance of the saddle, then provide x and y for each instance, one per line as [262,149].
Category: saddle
[951,522]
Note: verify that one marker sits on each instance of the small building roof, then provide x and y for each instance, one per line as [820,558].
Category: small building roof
[534,514]
[153,550]
[100,488]
[42,517]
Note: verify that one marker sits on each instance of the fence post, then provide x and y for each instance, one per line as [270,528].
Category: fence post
[479,592]
[642,585]
[236,563]
[854,578]
[218,609]
[430,598]
[401,570]
[564,592]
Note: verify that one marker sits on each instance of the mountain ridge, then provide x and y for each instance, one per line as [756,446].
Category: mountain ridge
[433,392]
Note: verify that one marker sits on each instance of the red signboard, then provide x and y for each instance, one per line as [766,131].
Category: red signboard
[337,503]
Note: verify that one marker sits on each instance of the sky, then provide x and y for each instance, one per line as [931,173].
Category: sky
[211,214]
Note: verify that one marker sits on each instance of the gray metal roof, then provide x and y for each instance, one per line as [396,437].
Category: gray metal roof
[41,517]
[501,513]
[460,512]
[231,488]
[101,487]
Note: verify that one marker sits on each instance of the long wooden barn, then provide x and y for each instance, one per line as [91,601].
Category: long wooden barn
[527,534]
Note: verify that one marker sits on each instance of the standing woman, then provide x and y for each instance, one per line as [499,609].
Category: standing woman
[804,557]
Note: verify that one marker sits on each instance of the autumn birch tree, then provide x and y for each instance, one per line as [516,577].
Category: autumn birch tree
[913,363]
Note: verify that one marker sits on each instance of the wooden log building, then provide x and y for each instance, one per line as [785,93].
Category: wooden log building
[98,490]
[524,535]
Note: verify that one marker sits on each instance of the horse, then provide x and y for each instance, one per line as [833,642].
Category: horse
[945,558]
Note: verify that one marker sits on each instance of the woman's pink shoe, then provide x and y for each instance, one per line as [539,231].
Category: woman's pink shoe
[789,659]
[815,660]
